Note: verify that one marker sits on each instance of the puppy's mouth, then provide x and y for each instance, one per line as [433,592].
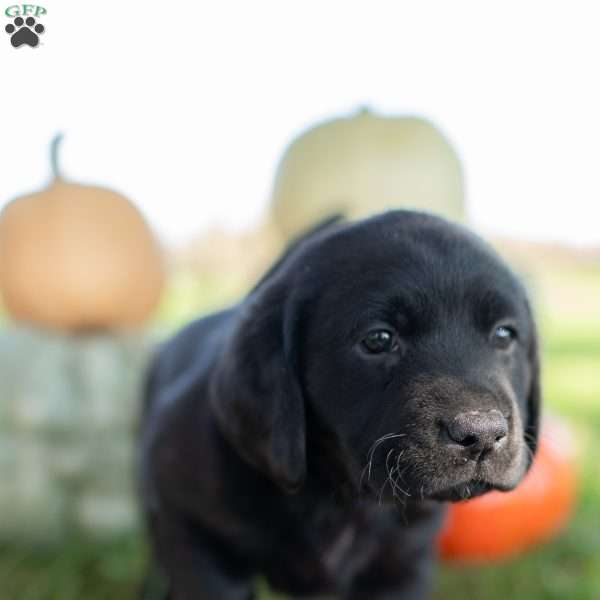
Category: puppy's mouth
[478,478]
[464,491]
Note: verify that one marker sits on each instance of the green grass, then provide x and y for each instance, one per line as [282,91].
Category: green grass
[76,571]
[566,568]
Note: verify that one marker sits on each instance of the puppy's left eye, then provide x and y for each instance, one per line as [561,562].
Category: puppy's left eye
[503,336]
[379,341]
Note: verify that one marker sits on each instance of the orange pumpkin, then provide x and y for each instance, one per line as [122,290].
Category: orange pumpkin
[499,525]
[77,257]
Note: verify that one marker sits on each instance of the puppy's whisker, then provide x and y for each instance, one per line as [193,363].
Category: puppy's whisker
[388,478]
[530,437]
[394,483]
[530,454]
[395,480]
[467,492]
[396,486]
[383,438]
[387,461]
[370,454]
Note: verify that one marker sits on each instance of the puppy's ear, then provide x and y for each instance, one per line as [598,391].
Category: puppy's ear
[534,397]
[295,245]
[256,395]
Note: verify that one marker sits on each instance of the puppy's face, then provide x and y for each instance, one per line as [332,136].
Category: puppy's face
[396,356]
[418,355]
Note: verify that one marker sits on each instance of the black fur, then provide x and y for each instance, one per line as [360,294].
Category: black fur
[263,448]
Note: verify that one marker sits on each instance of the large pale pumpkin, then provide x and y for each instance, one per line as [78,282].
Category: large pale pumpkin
[365,164]
[78,257]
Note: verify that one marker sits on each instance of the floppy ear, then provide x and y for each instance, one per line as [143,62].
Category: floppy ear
[295,244]
[256,396]
[534,397]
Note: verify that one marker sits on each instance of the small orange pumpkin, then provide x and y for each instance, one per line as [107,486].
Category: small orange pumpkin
[499,525]
[77,257]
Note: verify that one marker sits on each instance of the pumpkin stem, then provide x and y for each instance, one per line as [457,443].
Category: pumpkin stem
[54,155]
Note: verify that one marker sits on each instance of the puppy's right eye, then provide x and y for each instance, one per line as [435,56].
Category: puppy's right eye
[379,341]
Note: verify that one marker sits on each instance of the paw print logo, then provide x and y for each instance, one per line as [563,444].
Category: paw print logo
[24,32]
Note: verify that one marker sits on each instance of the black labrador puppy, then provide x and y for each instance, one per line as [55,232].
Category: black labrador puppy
[312,433]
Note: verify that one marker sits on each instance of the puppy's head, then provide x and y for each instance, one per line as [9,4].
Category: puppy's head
[405,343]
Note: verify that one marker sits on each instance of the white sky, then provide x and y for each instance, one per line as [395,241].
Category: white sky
[187,106]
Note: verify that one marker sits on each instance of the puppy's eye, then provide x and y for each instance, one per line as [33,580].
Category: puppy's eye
[503,336]
[379,341]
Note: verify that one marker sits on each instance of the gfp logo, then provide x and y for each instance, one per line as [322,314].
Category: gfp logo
[24,29]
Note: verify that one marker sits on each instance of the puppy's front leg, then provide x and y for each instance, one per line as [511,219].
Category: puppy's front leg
[401,562]
[405,583]
[195,568]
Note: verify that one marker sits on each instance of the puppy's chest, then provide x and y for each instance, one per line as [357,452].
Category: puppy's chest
[328,550]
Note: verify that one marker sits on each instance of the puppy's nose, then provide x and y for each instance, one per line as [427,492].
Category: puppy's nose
[479,431]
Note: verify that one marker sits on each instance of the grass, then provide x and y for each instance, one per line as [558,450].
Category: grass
[78,570]
[568,567]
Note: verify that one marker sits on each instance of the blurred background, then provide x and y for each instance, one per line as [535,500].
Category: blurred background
[231,127]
